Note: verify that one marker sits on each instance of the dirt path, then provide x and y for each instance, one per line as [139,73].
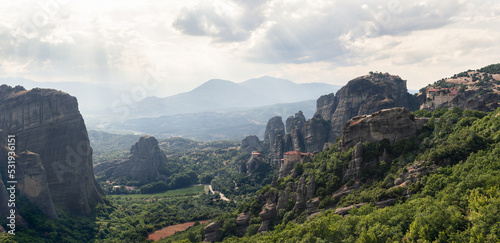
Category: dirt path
[170,230]
[220,193]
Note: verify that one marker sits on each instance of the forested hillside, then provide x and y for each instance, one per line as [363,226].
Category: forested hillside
[456,198]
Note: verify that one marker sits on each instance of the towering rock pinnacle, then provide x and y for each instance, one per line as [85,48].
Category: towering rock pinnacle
[51,131]
[274,128]
[141,164]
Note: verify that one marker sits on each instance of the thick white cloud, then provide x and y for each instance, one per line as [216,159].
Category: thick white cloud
[196,40]
[224,21]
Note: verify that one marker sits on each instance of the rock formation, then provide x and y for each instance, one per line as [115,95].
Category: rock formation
[316,134]
[251,143]
[32,182]
[295,121]
[212,232]
[392,124]
[242,221]
[141,164]
[472,89]
[414,172]
[254,162]
[47,122]
[470,100]
[274,128]
[362,95]
[268,213]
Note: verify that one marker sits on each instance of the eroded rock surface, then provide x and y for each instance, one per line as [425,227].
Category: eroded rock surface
[141,164]
[392,124]
[47,122]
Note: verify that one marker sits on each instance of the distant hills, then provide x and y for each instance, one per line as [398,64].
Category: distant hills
[217,94]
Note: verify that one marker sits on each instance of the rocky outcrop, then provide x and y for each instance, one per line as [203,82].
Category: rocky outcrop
[212,232]
[47,122]
[312,204]
[392,124]
[345,210]
[251,143]
[354,167]
[274,128]
[283,198]
[300,202]
[326,106]
[32,182]
[276,151]
[316,134]
[311,188]
[268,214]
[362,95]
[242,222]
[141,164]
[297,121]
[414,173]
[254,163]
[470,100]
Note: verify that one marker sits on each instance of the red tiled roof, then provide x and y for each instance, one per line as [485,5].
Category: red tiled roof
[297,153]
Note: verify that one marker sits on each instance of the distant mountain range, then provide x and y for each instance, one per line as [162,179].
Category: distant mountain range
[217,94]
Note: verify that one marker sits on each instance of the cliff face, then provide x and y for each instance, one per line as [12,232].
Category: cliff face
[48,123]
[362,95]
[141,164]
[392,124]
[274,128]
[32,182]
[273,139]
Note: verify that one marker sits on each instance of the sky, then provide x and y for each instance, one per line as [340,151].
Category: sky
[174,46]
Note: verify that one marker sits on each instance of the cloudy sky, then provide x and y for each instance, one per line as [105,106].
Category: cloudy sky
[185,43]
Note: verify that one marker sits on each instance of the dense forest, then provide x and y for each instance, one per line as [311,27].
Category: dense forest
[459,201]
